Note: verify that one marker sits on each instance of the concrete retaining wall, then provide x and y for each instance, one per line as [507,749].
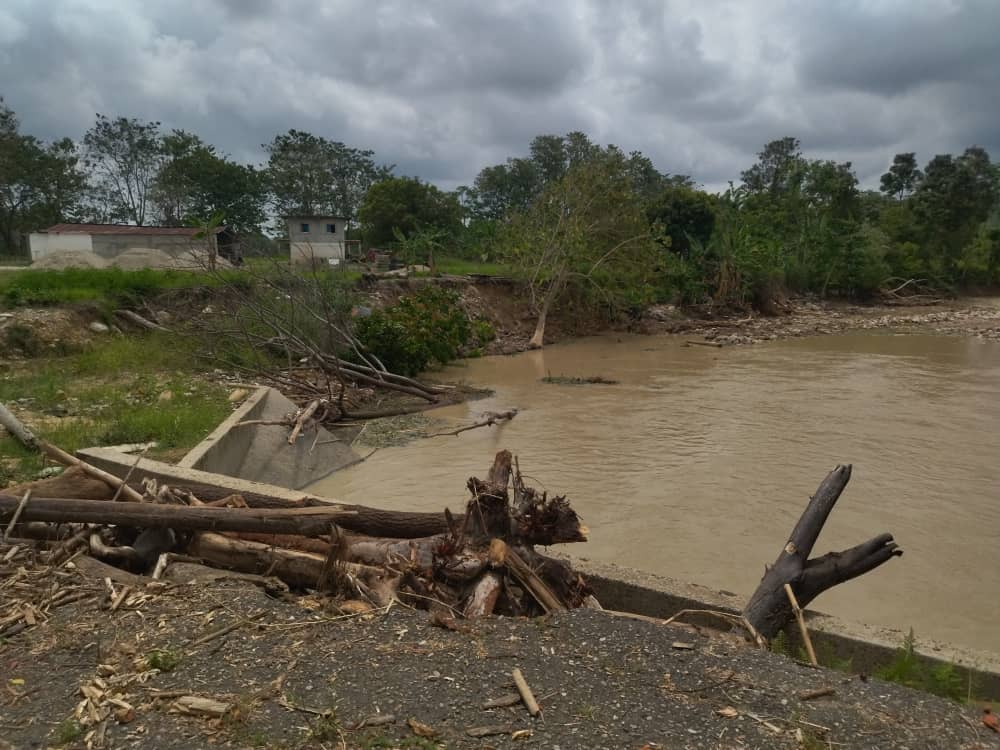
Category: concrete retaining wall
[261,453]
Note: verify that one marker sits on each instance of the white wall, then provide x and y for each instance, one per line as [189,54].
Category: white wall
[306,251]
[43,244]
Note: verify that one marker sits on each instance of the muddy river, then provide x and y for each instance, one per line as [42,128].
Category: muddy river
[697,464]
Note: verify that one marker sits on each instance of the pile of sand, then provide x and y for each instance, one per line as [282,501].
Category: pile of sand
[137,258]
[71,259]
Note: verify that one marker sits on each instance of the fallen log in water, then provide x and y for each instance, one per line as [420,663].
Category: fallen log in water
[770,608]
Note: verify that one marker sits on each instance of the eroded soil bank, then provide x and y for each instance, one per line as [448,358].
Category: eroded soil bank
[303,676]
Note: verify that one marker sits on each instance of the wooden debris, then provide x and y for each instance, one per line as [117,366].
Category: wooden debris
[797,610]
[489,731]
[524,690]
[503,701]
[196,704]
[420,729]
[809,695]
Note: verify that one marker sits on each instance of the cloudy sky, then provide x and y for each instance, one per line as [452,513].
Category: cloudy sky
[444,87]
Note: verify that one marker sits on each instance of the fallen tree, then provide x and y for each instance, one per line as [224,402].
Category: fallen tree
[770,607]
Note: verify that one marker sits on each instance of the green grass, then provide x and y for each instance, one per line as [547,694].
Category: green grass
[165,661]
[463,267]
[907,668]
[112,286]
[67,732]
[112,393]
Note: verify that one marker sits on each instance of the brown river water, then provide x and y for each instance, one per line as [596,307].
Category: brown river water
[698,463]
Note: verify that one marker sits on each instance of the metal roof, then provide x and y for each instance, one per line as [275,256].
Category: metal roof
[125,229]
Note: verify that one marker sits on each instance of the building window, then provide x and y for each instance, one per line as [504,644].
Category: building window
[331,229]
[305,228]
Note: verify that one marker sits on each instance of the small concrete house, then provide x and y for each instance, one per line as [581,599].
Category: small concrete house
[111,240]
[317,238]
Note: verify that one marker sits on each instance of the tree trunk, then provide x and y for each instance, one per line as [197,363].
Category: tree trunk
[769,609]
[301,521]
[538,339]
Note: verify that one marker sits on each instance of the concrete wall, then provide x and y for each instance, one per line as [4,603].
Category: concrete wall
[305,252]
[43,244]
[261,453]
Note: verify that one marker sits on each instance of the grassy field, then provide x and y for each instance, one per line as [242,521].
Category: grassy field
[30,287]
[122,390]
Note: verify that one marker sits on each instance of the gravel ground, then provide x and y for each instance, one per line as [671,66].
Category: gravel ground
[303,676]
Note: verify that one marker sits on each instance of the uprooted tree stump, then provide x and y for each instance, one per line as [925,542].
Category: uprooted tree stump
[769,609]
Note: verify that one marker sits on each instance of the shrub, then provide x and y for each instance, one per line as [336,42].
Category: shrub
[424,328]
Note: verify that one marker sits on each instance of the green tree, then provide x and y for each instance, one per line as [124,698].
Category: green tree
[406,205]
[587,230]
[195,183]
[40,184]
[686,215]
[903,176]
[124,157]
[954,199]
[310,175]
[778,168]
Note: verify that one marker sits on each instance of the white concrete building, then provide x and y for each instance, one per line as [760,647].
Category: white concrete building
[111,240]
[317,238]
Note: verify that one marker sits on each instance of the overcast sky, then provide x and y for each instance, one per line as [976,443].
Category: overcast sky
[444,87]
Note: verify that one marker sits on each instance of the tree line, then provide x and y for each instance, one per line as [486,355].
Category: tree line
[570,216]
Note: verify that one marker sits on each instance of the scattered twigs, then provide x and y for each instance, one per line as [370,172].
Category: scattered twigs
[802,624]
[226,630]
[524,690]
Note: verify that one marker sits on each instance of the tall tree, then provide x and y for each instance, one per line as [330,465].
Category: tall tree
[903,177]
[310,175]
[587,229]
[40,184]
[404,205]
[685,216]
[777,170]
[124,156]
[195,183]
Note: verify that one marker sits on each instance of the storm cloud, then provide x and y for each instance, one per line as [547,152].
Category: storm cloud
[442,88]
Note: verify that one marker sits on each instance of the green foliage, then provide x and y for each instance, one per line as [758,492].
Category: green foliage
[67,732]
[483,331]
[110,285]
[407,206]
[686,215]
[165,661]
[326,728]
[586,233]
[908,669]
[423,328]
[40,184]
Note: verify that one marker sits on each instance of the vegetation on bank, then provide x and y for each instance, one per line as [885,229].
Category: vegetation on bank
[106,286]
[148,387]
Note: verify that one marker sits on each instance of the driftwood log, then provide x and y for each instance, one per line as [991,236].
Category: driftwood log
[769,609]
[301,521]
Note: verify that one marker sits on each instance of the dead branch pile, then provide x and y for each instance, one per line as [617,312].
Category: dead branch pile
[474,564]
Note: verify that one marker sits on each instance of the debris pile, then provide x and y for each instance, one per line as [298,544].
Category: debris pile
[480,562]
